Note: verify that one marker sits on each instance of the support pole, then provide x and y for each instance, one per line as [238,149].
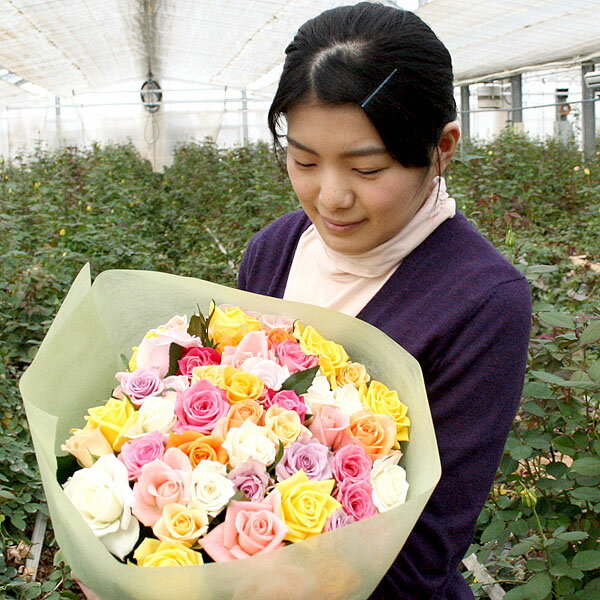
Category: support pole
[245,116]
[516,95]
[588,113]
[465,112]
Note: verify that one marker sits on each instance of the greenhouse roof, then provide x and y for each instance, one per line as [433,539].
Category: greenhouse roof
[75,46]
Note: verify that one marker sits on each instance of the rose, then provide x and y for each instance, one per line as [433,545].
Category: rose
[102,495]
[114,420]
[251,478]
[86,445]
[200,407]
[212,373]
[270,322]
[351,463]
[290,355]
[253,344]
[197,357]
[305,505]
[354,374]
[237,414]
[154,349]
[140,384]
[154,553]
[240,386]
[249,441]
[347,399]
[279,335]
[227,327]
[376,433]
[249,529]
[270,373]
[356,498]
[162,482]
[318,393]
[308,455]
[211,488]
[338,519]
[381,400]
[197,446]
[140,451]
[176,383]
[182,524]
[283,426]
[177,322]
[331,427]
[388,480]
[155,414]
[287,399]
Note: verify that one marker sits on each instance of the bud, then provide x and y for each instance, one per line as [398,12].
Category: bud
[528,497]
[509,238]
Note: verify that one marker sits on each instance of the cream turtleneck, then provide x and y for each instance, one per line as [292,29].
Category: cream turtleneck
[346,283]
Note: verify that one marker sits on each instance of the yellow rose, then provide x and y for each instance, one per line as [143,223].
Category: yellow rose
[283,425]
[182,524]
[354,374]
[212,373]
[228,327]
[113,419]
[240,386]
[153,553]
[332,356]
[379,399]
[86,445]
[305,505]
[133,360]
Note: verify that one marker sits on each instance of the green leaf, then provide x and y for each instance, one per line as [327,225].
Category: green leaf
[523,547]
[557,469]
[594,370]
[591,333]
[586,560]
[175,353]
[195,326]
[572,536]
[588,465]
[537,588]
[521,452]
[557,319]
[588,494]
[7,495]
[125,361]
[533,409]
[535,565]
[535,389]
[492,531]
[548,377]
[300,381]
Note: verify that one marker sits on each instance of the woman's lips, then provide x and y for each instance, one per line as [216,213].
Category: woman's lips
[340,226]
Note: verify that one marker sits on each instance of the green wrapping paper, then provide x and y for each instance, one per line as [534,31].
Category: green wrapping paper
[74,369]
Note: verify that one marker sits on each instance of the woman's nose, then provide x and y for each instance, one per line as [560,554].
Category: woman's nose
[335,194]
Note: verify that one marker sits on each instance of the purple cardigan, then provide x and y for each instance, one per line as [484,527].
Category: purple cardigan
[459,307]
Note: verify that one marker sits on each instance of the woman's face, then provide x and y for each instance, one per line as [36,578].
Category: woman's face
[354,192]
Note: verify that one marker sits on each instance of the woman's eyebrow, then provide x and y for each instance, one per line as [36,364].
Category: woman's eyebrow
[368,151]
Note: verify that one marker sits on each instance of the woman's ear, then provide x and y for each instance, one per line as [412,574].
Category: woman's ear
[447,145]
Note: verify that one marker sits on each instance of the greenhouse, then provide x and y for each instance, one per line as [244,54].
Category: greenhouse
[140,179]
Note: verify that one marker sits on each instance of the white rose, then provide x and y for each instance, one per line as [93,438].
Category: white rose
[389,483]
[177,383]
[347,399]
[272,374]
[318,394]
[156,414]
[249,441]
[178,322]
[102,495]
[211,488]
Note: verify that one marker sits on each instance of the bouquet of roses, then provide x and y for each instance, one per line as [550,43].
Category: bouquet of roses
[238,433]
[239,436]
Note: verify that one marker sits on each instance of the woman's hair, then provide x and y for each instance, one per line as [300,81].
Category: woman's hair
[345,54]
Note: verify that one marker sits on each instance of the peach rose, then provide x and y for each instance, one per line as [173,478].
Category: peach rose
[353,373]
[238,413]
[283,425]
[278,335]
[181,524]
[380,399]
[86,445]
[198,446]
[331,427]
[377,433]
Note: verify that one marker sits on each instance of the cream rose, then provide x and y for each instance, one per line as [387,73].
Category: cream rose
[102,495]
[86,445]
[318,394]
[211,488]
[283,425]
[347,399]
[249,441]
[388,480]
[181,523]
[156,414]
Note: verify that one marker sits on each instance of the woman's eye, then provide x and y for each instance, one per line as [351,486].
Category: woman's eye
[368,172]
[301,164]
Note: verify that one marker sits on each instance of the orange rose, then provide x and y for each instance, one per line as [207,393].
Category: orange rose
[197,446]
[377,433]
[276,336]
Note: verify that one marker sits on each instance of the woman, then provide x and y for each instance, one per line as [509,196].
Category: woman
[367,95]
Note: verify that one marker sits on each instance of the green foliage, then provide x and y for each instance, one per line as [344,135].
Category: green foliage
[536,201]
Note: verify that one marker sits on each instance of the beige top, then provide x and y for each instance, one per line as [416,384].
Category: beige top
[346,283]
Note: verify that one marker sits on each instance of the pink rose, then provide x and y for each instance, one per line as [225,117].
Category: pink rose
[351,463]
[272,374]
[140,384]
[153,351]
[331,427]
[250,528]
[287,399]
[200,407]
[356,498]
[253,345]
[140,451]
[197,357]
[270,322]
[291,356]
[162,482]
[307,454]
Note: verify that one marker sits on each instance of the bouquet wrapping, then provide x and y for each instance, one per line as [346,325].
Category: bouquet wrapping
[75,367]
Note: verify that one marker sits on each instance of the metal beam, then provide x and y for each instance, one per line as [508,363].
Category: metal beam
[465,112]
[588,113]
[516,96]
